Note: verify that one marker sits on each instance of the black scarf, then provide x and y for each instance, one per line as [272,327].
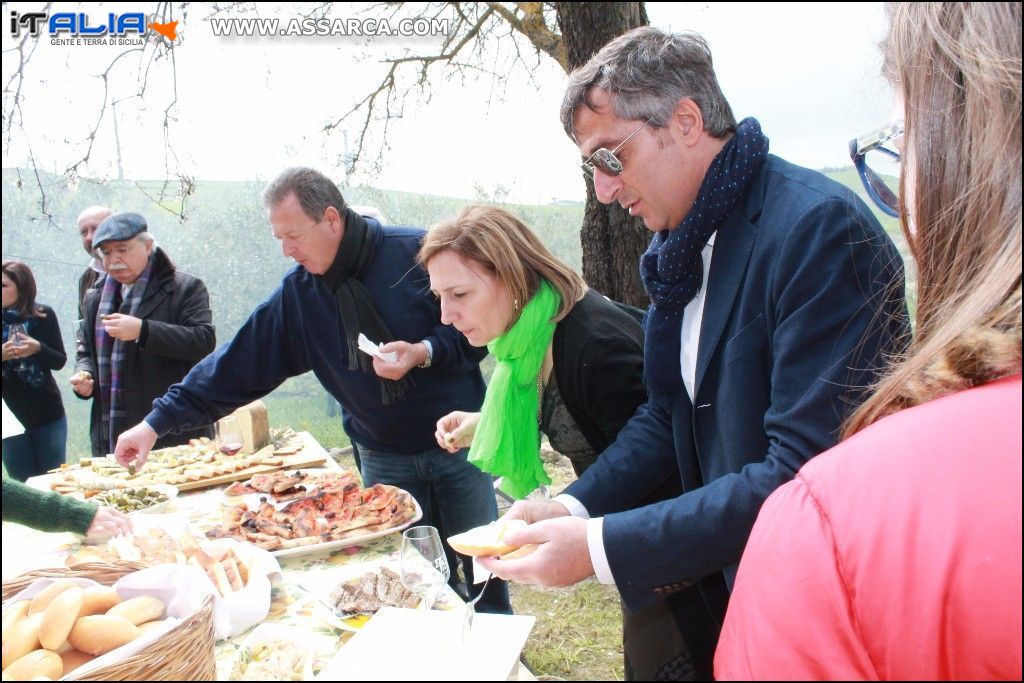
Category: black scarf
[355,305]
[672,269]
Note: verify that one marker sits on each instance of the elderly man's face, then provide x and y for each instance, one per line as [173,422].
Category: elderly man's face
[87,228]
[312,244]
[125,260]
[656,183]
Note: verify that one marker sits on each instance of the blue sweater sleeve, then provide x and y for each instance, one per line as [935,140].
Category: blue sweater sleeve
[452,352]
[266,351]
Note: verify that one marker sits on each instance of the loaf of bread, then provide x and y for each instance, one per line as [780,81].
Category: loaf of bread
[23,638]
[13,614]
[487,540]
[98,600]
[101,633]
[138,610]
[150,625]
[33,665]
[520,552]
[59,617]
[73,659]
[44,597]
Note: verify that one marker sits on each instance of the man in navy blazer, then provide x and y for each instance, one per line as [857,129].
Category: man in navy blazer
[776,297]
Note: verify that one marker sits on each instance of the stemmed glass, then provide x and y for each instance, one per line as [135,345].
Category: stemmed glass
[229,435]
[424,567]
[17,337]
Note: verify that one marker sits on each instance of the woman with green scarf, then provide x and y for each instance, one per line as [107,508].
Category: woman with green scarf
[569,366]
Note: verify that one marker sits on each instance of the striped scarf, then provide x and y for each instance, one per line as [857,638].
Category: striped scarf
[110,353]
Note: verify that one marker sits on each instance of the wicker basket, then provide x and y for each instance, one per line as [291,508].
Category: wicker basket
[106,574]
[185,653]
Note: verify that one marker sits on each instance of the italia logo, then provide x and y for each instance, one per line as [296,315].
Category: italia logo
[81,25]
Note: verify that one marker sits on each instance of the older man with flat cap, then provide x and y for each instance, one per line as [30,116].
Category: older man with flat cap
[146,325]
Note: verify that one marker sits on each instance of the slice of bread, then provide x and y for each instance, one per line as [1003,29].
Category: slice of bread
[487,540]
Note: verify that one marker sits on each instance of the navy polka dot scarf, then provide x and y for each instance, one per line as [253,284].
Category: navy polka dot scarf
[672,269]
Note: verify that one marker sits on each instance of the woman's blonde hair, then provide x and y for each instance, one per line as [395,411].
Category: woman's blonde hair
[958,67]
[503,246]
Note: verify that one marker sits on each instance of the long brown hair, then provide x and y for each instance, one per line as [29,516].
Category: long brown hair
[501,244]
[958,68]
[21,275]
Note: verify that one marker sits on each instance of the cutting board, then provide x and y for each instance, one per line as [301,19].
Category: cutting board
[312,454]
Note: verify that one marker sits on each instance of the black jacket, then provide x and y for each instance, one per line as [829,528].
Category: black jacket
[177,332]
[39,406]
[598,362]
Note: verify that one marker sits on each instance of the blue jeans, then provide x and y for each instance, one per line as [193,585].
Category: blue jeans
[455,496]
[37,450]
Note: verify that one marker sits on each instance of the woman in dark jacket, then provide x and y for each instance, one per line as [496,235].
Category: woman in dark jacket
[570,366]
[146,325]
[28,385]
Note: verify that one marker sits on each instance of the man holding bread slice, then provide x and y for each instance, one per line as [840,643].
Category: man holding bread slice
[775,295]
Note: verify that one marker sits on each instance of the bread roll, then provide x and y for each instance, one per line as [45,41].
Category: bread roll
[101,633]
[14,614]
[150,625]
[44,597]
[23,638]
[73,659]
[59,617]
[98,600]
[486,541]
[34,664]
[520,552]
[138,610]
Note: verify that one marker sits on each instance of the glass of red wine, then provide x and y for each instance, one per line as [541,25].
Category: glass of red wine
[229,435]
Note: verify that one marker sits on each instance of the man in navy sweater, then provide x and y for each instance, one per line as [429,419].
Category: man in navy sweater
[353,277]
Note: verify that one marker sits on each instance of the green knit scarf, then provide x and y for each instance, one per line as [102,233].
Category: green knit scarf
[507,439]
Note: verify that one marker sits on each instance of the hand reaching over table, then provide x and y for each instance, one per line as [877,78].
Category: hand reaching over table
[134,445]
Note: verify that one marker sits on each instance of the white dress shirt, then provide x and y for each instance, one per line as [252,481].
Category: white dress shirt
[693,314]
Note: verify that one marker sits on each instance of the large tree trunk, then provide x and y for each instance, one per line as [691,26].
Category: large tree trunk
[612,240]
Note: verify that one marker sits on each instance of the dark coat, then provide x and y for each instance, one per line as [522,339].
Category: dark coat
[804,300]
[597,358]
[177,332]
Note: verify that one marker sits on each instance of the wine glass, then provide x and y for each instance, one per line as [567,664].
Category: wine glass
[424,568]
[17,337]
[229,435]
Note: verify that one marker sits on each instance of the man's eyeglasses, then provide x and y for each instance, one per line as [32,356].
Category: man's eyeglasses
[878,163]
[606,160]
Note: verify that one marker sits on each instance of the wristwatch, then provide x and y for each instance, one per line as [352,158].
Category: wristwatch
[430,353]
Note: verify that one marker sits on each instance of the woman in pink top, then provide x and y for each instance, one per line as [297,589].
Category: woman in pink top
[897,554]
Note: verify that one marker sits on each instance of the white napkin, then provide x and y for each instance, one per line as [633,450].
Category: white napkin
[369,347]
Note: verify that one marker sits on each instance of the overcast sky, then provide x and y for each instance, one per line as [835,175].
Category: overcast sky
[247,107]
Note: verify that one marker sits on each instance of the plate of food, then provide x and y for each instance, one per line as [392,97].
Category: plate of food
[353,593]
[273,652]
[149,498]
[331,512]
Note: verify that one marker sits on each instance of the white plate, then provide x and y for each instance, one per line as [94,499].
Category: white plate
[352,540]
[432,648]
[170,491]
[270,633]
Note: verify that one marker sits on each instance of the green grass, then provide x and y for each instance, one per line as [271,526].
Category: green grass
[578,634]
